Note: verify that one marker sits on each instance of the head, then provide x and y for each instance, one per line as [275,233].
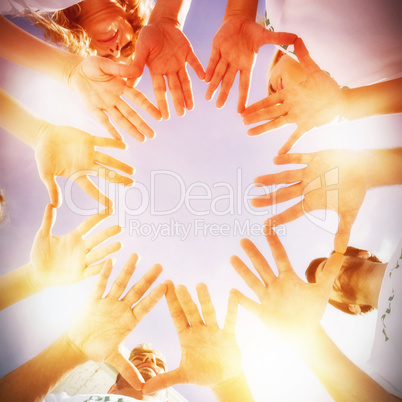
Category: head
[345,292]
[149,363]
[107,28]
[284,72]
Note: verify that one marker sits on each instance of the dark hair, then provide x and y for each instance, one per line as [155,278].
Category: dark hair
[350,252]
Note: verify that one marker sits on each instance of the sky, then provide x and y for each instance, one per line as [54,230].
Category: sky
[205,152]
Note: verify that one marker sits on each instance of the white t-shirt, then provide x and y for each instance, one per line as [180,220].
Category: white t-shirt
[386,355]
[358,42]
[13,7]
[63,397]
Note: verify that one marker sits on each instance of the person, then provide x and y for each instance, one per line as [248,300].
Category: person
[64,151]
[98,81]
[234,48]
[293,309]
[302,93]
[333,179]
[59,260]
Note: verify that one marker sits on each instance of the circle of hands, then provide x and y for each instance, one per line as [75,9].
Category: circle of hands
[210,354]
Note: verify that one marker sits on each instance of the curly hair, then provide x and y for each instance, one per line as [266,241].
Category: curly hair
[62,27]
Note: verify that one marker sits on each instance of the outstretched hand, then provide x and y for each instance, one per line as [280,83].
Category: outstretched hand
[234,49]
[67,259]
[209,354]
[100,83]
[69,152]
[103,323]
[332,179]
[164,48]
[316,101]
[287,305]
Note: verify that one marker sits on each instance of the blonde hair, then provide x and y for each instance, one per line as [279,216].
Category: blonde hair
[62,27]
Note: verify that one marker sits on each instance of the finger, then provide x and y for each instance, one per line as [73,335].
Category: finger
[120,284]
[207,308]
[141,287]
[179,318]
[247,303]
[292,213]
[258,260]
[112,176]
[189,307]
[49,218]
[331,270]
[109,142]
[277,197]
[92,270]
[159,87]
[273,112]
[244,88]
[231,314]
[196,65]
[186,88]
[101,253]
[91,222]
[101,282]
[105,121]
[141,100]
[226,86]
[343,234]
[278,252]
[53,188]
[127,370]
[146,304]
[219,72]
[162,381]
[295,158]
[297,134]
[251,280]
[99,238]
[113,163]
[176,93]
[278,38]
[213,62]
[265,103]
[304,57]
[93,191]
[121,120]
[132,119]
[286,177]
[271,125]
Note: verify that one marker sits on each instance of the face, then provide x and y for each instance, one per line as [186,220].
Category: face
[107,26]
[285,73]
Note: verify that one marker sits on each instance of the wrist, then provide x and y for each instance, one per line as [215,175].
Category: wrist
[73,350]
[71,66]
[33,279]
[165,20]
[344,104]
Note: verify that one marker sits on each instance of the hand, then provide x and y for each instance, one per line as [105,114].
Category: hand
[67,259]
[209,355]
[166,50]
[289,306]
[68,152]
[101,326]
[311,103]
[332,179]
[234,49]
[100,84]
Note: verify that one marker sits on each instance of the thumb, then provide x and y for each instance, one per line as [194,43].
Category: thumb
[304,57]
[53,189]
[277,38]
[110,67]
[48,220]
[127,370]
[162,381]
[140,59]
[343,234]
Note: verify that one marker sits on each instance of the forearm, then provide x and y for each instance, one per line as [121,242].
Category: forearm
[241,8]
[342,379]
[22,48]
[170,9]
[17,120]
[36,378]
[384,166]
[17,285]
[381,98]
[233,390]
